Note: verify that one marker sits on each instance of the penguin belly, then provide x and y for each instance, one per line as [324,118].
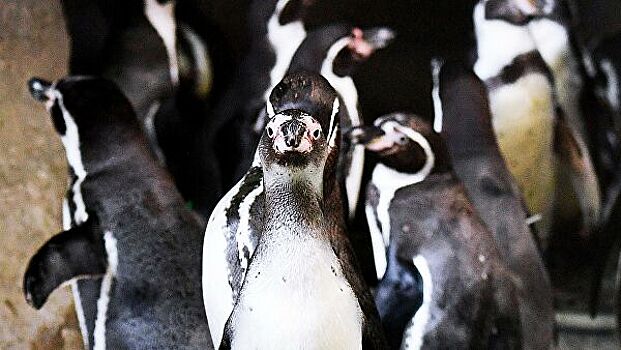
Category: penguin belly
[523,119]
[297,299]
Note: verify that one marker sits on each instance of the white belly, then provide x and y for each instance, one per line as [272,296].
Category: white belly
[299,300]
[524,122]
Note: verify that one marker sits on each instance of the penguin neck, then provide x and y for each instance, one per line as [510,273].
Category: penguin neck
[293,195]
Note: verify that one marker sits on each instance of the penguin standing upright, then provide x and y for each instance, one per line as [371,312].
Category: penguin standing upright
[131,251]
[533,98]
[477,161]
[236,222]
[302,288]
[417,207]
[171,78]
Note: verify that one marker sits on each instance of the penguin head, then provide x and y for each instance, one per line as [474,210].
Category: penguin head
[517,12]
[89,114]
[403,142]
[340,48]
[302,130]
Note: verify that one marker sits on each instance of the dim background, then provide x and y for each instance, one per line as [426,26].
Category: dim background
[33,42]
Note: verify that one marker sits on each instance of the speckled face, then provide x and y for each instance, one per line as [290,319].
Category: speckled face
[293,133]
[293,138]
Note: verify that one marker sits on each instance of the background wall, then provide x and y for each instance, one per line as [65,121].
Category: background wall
[32,173]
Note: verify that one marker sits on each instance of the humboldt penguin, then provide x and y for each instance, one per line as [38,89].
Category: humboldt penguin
[302,287]
[528,122]
[420,211]
[171,78]
[131,248]
[478,163]
[234,226]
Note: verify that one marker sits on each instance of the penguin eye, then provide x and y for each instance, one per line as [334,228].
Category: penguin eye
[316,134]
[270,132]
[403,140]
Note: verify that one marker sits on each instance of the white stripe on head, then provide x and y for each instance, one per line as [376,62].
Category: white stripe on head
[333,123]
[424,144]
[162,18]
[284,40]
[498,43]
[343,85]
[436,65]
[104,295]
[415,332]
[71,141]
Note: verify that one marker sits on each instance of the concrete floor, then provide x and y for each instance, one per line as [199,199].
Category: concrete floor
[32,173]
[33,178]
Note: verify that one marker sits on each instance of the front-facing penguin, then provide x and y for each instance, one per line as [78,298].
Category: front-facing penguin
[419,209]
[131,249]
[302,289]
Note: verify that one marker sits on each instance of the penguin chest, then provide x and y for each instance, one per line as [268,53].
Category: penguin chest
[523,115]
[297,298]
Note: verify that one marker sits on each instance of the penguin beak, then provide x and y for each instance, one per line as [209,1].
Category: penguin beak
[379,37]
[40,89]
[365,43]
[295,135]
[367,136]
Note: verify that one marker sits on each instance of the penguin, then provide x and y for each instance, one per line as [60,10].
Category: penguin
[521,94]
[479,165]
[552,29]
[172,79]
[303,273]
[130,249]
[235,224]
[275,29]
[423,216]
[336,51]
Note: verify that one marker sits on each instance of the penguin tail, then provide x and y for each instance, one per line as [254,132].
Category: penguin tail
[76,253]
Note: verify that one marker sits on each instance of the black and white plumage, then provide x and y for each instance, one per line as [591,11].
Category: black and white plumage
[419,211]
[479,165]
[235,224]
[131,248]
[302,287]
[526,114]
[171,78]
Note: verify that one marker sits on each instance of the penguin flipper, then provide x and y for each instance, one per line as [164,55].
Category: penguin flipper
[77,252]
[574,157]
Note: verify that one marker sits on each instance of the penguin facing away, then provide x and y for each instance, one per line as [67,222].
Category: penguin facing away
[131,238]
[421,211]
[236,223]
[170,78]
[477,162]
[302,288]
